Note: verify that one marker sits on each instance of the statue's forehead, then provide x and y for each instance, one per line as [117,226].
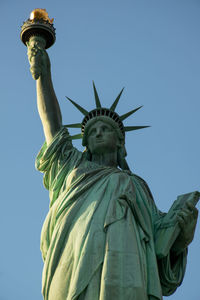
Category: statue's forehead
[99,123]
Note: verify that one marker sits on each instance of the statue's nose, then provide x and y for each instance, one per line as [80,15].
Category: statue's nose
[99,132]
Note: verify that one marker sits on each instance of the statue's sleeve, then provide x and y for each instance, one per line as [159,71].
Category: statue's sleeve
[56,161]
[171,271]
[171,268]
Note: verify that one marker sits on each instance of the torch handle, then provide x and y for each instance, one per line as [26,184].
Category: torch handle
[36,47]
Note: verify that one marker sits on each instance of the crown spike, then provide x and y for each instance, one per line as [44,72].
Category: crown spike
[113,106]
[76,125]
[98,103]
[130,128]
[81,109]
[123,117]
[76,136]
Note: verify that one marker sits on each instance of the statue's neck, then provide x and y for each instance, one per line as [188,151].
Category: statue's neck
[105,159]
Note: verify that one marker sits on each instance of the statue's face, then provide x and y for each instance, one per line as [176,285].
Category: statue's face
[102,138]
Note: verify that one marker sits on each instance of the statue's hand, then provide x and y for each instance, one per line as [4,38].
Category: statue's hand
[187,219]
[38,57]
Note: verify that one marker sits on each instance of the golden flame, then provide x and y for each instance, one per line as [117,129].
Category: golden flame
[40,13]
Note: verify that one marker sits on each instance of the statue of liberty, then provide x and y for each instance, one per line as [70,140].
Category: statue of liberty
[98,240]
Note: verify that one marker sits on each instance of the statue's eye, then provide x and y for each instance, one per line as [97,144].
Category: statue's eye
[106,129]
[92,131]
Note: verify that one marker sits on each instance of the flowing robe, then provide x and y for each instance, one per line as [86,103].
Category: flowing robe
[97,240]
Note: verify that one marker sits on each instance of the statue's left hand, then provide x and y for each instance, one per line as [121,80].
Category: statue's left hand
[187,219]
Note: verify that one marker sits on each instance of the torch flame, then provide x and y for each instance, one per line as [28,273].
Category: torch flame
[40,13]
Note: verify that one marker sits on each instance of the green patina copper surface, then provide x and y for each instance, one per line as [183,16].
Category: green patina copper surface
[98,237]
[102,238]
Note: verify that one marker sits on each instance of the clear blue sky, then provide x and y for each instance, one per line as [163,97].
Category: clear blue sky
[152,47]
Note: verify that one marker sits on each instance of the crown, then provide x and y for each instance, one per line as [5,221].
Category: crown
[100,113]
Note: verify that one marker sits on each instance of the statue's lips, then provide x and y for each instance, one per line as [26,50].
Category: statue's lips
[99,141]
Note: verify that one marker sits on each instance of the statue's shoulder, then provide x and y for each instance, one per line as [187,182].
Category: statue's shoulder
[143,183]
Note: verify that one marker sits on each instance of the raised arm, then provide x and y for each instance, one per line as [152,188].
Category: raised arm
[48,106]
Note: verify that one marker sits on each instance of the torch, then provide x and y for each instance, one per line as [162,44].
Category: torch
[38,31]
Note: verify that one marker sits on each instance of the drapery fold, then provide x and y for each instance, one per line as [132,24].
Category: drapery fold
[100,225]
